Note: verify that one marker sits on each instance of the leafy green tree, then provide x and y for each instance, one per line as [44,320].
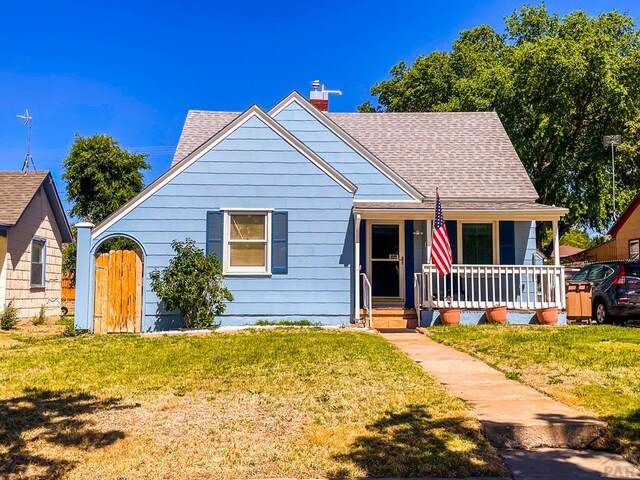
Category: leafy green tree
[100,177]
[193,285]
[559,85]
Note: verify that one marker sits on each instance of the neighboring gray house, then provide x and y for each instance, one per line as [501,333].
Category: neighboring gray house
[33,227]
[328,216]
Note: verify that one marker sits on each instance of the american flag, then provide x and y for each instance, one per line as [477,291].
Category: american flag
[441,255]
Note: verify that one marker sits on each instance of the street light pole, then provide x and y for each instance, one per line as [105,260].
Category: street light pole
[613,177]
[613,141]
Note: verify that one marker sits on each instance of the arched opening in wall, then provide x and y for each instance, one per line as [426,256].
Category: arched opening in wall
[117,306]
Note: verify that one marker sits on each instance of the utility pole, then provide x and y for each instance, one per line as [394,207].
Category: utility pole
[613,141]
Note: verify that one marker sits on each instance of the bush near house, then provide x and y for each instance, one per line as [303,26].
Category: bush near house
[9,317]
[193,285]
[41,318]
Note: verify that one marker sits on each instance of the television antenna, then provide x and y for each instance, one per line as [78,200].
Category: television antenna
[28,159]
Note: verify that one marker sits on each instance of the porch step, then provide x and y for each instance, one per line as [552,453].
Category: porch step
[393,317]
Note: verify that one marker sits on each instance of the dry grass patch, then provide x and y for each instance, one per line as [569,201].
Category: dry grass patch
[279,403]
[595,368]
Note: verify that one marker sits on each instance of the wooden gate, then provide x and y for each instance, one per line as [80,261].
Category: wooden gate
[118,300]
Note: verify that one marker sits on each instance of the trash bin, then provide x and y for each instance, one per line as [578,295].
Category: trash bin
[578,300]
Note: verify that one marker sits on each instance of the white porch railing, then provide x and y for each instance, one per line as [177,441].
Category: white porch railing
[367,298]
[518,287]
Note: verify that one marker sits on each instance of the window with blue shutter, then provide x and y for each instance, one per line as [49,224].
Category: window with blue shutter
[452,231]
[279,242]
[215,233]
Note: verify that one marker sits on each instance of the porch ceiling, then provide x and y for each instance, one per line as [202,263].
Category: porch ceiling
[461,209]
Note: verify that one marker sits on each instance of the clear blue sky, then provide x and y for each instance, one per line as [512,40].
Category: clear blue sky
[132,69]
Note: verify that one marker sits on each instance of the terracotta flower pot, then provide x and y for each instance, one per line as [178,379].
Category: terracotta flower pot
[496,314]
[450,316]
[547,316]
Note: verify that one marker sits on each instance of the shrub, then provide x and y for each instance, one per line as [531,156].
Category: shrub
[193,285]
[71,331]
[41,317]
[287,323]
[9,317]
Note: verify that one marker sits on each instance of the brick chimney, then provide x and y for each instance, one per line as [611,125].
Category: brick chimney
[319,98]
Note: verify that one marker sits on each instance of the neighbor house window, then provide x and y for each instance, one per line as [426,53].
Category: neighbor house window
[38,252]
[634,249]
[477,243]
[247,242]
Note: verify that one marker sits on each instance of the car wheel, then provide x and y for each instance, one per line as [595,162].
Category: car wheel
[65,310]
[600,314]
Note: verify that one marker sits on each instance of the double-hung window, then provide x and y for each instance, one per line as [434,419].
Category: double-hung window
[477,243]
[247,242]
[38,253]
[634,249]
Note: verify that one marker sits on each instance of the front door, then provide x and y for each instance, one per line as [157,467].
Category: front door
[386,260]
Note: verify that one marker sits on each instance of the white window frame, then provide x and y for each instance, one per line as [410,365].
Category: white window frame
[495,240]
[635,241]
[42,283]
[226,253]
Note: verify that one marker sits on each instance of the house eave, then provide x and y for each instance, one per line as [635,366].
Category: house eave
[546,215]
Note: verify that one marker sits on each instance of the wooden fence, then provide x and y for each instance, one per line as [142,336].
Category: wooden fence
[68,294]
[118,300]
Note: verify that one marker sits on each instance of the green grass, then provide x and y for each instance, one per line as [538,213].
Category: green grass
[277,403]
[596,369]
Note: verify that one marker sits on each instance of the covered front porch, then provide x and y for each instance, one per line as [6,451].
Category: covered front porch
[495,261]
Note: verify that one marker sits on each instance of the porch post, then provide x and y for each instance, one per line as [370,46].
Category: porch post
[556,243]
[356,219]
[83,317]
[558,275]
[429,239]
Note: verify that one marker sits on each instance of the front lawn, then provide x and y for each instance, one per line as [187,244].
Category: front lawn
[277,403]
[595,368]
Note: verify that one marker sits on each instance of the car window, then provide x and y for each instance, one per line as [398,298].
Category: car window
[582,274]
[632,269]
[599,272]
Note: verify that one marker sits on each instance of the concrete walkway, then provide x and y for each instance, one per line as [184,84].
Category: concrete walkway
[515,416]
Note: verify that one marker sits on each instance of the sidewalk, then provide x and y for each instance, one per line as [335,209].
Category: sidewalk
[515,416]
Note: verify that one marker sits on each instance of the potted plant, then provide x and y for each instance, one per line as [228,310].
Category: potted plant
[449,316]
[547,316]
[496,314]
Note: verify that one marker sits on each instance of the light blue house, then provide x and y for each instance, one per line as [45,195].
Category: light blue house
[328,216]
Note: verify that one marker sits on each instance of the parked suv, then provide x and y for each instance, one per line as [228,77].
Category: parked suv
[616,290]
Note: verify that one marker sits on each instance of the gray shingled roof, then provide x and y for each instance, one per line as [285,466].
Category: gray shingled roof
[199,127]
[16,191]
[465,154]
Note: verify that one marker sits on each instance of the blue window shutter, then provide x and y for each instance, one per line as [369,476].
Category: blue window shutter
[452,231]
[215,230]
[408,263]
[279,242]
[507,240]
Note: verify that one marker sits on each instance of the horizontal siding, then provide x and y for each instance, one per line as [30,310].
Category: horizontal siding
[36,221]
[254,168]
[372,183]
[525,242]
